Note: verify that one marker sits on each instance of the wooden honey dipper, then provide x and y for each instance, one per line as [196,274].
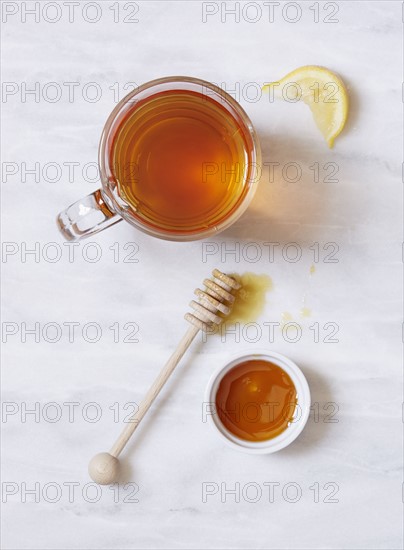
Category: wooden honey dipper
[217,297]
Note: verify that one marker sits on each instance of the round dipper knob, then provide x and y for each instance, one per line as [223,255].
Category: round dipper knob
[104,468]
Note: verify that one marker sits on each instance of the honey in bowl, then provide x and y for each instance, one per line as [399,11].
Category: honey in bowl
[182,161]
[256,400]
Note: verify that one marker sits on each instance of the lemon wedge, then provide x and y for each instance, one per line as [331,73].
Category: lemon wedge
[323,91]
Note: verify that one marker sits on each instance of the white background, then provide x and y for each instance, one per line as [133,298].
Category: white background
[174,453]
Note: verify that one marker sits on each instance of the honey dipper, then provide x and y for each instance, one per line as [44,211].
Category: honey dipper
[217,297]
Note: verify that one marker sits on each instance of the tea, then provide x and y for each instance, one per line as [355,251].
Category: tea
[181,160]
[256,400]
[178,159]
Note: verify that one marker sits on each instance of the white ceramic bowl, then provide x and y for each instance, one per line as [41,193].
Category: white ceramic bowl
[301,413]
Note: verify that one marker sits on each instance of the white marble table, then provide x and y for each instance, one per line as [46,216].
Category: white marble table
[345,470]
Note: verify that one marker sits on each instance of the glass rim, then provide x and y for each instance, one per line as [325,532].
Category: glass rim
[123,209]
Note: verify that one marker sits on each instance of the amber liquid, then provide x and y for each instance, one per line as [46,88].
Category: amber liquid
[256,400]
[181,161]
[249,299]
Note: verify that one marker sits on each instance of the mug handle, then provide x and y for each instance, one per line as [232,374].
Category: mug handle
[86,217]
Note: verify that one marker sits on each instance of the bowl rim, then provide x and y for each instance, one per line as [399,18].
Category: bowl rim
[285,438]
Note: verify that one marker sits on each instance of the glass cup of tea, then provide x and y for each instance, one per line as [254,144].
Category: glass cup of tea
[179,159]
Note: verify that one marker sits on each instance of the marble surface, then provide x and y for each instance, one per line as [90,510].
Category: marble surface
[340,484]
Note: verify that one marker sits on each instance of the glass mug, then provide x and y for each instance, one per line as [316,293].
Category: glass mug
[178,159]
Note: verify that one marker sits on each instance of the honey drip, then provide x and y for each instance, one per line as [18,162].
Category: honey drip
[250,299]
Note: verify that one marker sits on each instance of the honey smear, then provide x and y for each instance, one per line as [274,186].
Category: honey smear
[250,298]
